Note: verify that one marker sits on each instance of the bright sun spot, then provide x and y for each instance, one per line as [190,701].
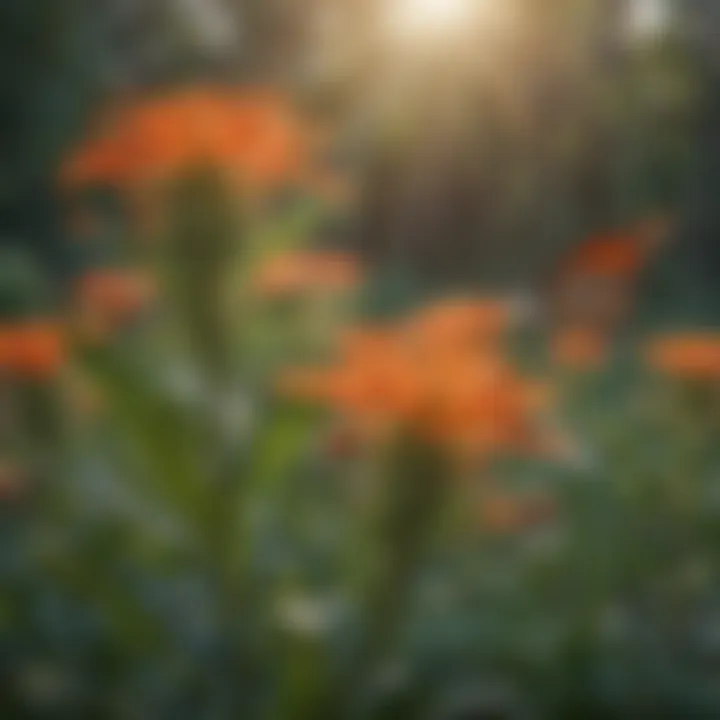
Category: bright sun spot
[428,18]
[648,18]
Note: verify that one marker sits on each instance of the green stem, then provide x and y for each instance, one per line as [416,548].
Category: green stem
[417,482]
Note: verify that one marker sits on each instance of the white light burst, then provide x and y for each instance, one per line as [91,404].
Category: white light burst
[428,18]
[648,18]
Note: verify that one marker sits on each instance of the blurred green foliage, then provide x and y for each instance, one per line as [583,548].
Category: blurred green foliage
[196,553]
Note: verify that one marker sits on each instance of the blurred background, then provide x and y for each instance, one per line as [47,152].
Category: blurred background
[359,358]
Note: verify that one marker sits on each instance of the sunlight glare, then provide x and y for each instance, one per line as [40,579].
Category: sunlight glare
[428,18]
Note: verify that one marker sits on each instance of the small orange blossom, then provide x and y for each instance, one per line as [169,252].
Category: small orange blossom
[687,355]
[32,349]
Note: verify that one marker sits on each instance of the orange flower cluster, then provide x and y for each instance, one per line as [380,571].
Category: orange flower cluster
[595,291]
[622,254]
[109,299]
[295,273]
[34,350]
[435,376]
[615,255]
[693,356]
[460,323]
[253,136]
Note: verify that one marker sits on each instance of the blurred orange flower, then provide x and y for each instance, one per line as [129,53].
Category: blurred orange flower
[614,255]
[296,273]
[623,253]
[109,299]
[367,343]
[33,349]
[471,401]
[252,135]
[687,355]
[580,348]
[460,321]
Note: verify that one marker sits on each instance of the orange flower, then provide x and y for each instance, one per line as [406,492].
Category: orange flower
[99,162]
[35,349]
[461,399]
[621,254]
[373,391]
[454,322]
[109,299]
[482,403]
[596,284]
[369,343]
[297,273]
[688,355]
[120,292]
[253,136]
[580,348]
[614,255]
